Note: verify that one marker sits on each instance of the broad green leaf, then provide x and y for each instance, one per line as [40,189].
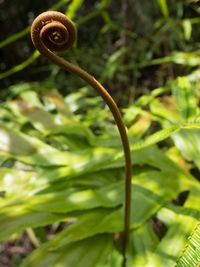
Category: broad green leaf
[96,221]
[31,150]
[13,143]
[145,204]
[188,142]
[115,259]
[38,117]
[168,188]
[72,185]
[25,218]
[90,252]
[69,200]
[75,129]
[13,181]
[108,196]
[143,242]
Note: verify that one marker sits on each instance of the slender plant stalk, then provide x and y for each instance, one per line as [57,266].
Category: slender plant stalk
[53,31]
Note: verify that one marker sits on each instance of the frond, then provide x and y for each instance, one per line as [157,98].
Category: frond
[191,254]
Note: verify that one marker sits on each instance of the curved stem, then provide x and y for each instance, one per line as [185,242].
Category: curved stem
[122,130]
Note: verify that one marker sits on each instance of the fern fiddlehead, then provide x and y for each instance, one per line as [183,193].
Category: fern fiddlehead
[52,31]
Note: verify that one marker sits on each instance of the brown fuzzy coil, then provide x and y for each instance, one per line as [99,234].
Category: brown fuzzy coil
[53,30]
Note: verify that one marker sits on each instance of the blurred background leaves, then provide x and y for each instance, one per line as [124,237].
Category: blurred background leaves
[62,167]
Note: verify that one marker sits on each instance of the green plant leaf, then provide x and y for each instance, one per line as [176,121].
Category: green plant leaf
[187,141]
[90,252]
[185,99]
[155,138]
[13,143]
[191,254]
[73,7]
[187,27]
[163,7]
[25,219]
[143,242]
[182,58]
[171,245]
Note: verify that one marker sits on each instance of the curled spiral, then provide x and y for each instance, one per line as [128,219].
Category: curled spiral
[53,30]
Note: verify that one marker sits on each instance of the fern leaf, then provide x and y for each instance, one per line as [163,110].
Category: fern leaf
[191,254]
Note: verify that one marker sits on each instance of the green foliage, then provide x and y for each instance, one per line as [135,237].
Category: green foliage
[191,255]
[164,7]
[64,172]
[61,157]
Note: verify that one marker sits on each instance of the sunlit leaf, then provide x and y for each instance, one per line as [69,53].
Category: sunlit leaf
[187,27]
[90,252]
[185,99]
[191,253]
[73,7]
[164,7]
[188,142]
